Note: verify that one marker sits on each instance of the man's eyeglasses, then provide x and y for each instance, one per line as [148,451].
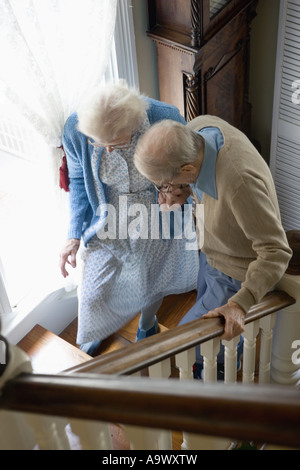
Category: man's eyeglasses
[112,147]
[169,187]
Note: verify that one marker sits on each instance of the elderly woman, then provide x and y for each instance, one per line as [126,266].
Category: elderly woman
[122,274]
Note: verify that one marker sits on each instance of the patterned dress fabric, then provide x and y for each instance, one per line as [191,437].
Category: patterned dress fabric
[121,276]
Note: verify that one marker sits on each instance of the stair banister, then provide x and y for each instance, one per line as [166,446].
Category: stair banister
[168,343]
[263,413]
[267,413]
[79,399]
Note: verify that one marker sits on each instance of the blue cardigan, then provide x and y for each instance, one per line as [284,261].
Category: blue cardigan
[84,203]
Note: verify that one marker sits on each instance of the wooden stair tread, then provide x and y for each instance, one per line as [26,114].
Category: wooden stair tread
[126,335]
[175,307]
[121,338]
[109,344]
[129,330]
[50,354]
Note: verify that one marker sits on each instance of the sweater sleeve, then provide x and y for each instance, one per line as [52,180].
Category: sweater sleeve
[257,216]
[78,199]
[159,111]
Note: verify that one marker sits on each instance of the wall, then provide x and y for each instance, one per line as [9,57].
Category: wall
[146,51]
[262,70]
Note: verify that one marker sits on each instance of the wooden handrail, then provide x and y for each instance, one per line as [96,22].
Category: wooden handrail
[236,411]
[142,354]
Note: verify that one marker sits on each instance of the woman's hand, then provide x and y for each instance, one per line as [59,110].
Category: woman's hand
[69,250]
[174,199]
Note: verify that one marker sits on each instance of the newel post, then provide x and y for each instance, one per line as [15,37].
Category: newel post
[285,363]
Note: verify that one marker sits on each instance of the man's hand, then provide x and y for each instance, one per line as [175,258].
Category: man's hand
[173,200]
[234,317]
[70,249]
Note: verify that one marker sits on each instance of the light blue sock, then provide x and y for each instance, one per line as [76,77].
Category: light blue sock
[148,315]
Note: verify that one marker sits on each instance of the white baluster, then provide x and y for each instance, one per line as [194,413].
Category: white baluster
[93,435]
[18,363]
[162,370]
[50,432]
[267,325]
[184,362]
[142,438]
[201,442]
[285,366]
[15,433]
[209,351]
[250,334]
[136,374]
[231,359]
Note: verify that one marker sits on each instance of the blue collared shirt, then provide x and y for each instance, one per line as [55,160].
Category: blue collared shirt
[206,181]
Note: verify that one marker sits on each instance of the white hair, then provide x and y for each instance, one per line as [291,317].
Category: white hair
[111,111]
[165,148]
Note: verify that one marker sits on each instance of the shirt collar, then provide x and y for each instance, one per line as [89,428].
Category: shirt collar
[206,181]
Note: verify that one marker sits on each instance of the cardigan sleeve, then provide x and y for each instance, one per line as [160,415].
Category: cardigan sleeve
[158,111]
[78,199]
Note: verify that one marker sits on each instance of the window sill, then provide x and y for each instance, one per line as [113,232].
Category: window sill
[54,312]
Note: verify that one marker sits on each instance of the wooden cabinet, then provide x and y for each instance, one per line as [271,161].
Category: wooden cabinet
[203,56]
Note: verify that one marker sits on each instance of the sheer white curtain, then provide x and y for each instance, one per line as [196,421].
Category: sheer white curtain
[51,53]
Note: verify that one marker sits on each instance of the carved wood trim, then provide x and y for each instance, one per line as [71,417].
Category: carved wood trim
[191,89]
[203,47]
[196,22]
[174,41]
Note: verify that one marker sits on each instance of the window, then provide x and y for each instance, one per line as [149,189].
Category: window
[33,228]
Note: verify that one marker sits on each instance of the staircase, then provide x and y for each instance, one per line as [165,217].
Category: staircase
[88,401]
[52,354]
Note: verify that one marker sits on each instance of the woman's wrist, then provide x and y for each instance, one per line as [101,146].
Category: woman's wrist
[75,241]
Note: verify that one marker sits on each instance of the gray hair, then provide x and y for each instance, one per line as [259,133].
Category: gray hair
[111,111]
[165,148]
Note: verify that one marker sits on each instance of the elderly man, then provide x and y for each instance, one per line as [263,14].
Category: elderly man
[245,250]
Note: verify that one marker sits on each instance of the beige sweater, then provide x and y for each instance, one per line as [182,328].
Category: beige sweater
[243,235]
